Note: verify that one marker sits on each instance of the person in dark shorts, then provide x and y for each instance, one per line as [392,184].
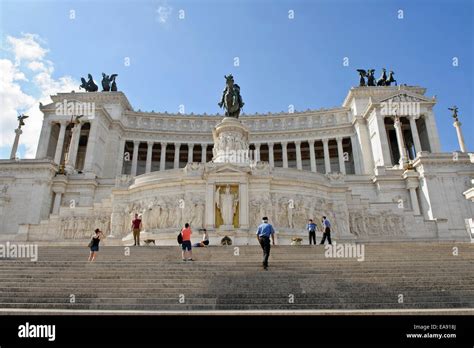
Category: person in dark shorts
[312,228]
[326,230]
[94,244]
[186,245]
[205,239]
[264,232]
[136,228]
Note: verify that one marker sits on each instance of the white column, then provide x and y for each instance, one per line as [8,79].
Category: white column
[355,154]
[149,153]
[60,143]
[190,153]
[462,145]
[243,205]
[257,152]
[57,202]
[43,142]
[415,135]
[340,156]
[163,157]
[327,160]
[136,143]
[91,142]
[312,156]
[299,165]
[18,132]
[210,204]
[401,144]
[176,155]
[366,160]
[203,153]
[120,158]
[432,130]
[285,154]
[414,201]
[74,146]
[271,158]
[385,150]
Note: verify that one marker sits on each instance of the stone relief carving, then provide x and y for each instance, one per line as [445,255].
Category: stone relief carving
[260,168]
[160,212]
[81,227]
[194,169]
[123,181]
[335,177]
[364,224]
[292,212]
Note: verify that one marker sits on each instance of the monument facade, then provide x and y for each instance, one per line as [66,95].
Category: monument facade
[374,166]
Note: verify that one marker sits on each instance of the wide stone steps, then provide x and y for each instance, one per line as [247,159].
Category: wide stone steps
[428,275]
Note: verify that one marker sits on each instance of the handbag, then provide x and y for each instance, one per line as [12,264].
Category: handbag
[90,244]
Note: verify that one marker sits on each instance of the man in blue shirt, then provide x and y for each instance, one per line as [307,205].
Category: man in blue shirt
[326,231]
[312,228]
[264,232]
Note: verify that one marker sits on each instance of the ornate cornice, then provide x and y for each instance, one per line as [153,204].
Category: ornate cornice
[377,92]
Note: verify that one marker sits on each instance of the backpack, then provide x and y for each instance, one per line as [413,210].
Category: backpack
[180,238]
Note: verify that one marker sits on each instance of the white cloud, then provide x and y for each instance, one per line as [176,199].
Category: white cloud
[27,47]
[163,13]
[44,65]
[14,100]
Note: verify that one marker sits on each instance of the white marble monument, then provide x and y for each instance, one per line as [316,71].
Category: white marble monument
[377,175]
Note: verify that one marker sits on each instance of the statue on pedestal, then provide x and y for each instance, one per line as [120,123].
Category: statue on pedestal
[89,85]
[369,74]
[227,203]
[231,99]
[454,109]
[20,120]
[106,80]
[18,132]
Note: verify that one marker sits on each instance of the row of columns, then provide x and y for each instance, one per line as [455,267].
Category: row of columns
[74,146]
[150,144]
[397,124]
[271,157]
[312,155]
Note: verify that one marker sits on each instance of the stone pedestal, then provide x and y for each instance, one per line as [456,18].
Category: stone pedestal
[231,143]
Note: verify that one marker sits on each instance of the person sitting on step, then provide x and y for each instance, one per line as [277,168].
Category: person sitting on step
[205,239]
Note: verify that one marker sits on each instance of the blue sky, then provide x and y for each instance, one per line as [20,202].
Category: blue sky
[282,61]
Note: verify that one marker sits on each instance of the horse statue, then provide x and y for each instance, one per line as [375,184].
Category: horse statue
[390,79]
[90,85]
[231,99]
[370,77]
[383,79]
[106,80]
[362,75]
